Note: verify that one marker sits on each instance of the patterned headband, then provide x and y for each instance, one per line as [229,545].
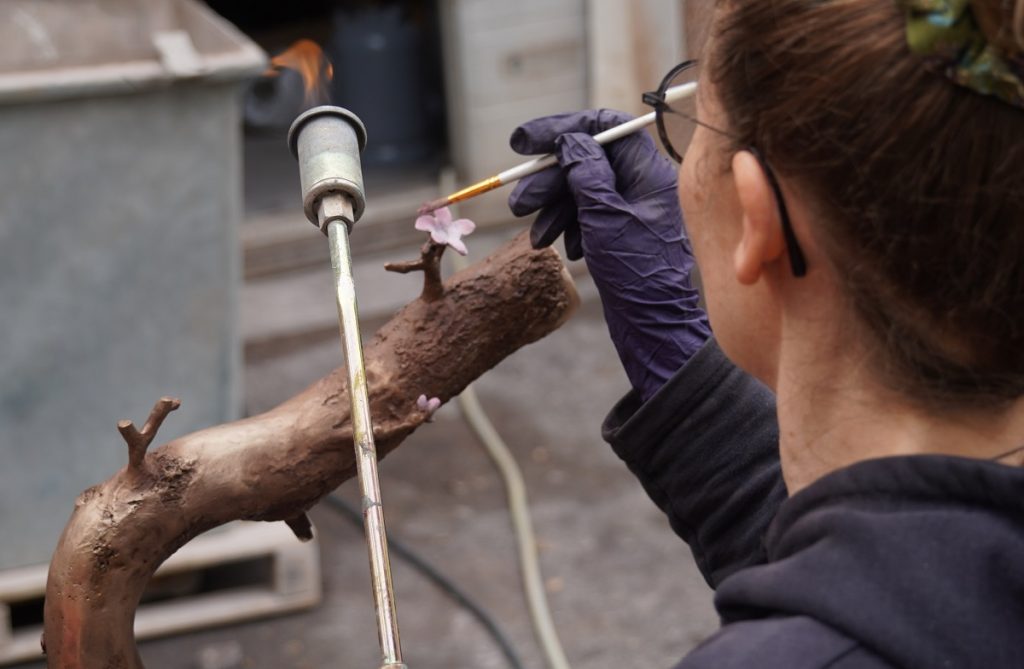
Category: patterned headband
[948,32]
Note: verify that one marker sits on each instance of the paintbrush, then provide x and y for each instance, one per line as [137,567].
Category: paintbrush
[544,162]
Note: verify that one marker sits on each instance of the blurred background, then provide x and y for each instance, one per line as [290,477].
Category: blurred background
[152,242]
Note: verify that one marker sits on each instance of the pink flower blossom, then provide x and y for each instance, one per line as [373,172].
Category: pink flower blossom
[444,230]
[431,405]
[428,406]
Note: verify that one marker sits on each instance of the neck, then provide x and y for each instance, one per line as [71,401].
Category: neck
[833,412]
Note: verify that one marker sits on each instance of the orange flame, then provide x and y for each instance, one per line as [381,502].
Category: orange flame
[308,59]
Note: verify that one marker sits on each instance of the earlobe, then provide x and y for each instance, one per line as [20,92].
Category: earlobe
[762,241]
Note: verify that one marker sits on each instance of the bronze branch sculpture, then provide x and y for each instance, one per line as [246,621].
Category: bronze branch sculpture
[277,465]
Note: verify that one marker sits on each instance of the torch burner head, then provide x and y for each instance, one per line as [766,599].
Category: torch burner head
[327,141]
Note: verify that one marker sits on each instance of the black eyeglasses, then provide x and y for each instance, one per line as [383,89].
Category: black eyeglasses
[675,111]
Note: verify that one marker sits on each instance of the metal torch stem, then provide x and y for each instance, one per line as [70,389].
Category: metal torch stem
[366,451]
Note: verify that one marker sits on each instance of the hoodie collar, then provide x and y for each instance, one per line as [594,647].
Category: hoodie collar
[920,558]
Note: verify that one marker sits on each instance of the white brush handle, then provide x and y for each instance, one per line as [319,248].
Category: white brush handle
[610,135]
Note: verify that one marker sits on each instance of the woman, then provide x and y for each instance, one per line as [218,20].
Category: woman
[854,196]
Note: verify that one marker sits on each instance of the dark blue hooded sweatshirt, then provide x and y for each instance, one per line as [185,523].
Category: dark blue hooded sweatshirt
[913,561]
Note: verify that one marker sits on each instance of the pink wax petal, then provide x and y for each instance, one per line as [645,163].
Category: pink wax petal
[458,245]
[440,235]
[464,226]
[426,223]
[443,216]
[428,405]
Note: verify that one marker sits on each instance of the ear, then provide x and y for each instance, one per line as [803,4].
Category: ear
[762,241]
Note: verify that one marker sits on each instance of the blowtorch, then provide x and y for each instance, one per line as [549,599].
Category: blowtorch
[327,141]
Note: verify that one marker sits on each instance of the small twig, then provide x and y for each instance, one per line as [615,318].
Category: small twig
[429,263]
[301,526]
[138,441]
[163,406]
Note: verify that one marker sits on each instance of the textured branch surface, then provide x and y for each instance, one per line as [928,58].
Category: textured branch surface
[429,263]
[277,465]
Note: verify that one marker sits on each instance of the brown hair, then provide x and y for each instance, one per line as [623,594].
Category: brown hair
[919,183]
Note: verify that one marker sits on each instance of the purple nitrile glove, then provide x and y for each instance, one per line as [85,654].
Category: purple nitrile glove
[618,208]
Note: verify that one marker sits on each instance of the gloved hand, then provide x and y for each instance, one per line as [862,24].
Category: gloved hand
[618,209]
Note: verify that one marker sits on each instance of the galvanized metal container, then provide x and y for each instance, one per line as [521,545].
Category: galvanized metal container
[120,199]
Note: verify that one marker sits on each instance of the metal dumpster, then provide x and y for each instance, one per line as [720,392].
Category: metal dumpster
[120,198]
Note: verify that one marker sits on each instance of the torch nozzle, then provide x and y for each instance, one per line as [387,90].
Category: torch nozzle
[327,141]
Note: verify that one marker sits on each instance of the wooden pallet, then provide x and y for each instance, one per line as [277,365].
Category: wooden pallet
[241,572]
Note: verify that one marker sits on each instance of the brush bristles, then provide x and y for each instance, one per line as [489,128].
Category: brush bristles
[433,205]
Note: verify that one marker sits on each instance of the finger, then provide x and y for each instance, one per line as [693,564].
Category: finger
[536,191]
[573,240]
[606,204]
[588,173]
[640,167]
[552,222]
[539,135]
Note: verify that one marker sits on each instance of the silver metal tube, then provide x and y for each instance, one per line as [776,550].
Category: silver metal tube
[366,451]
